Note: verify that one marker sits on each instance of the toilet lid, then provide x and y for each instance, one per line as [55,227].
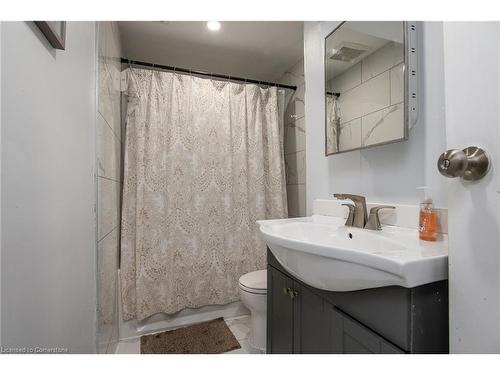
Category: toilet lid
[256,280]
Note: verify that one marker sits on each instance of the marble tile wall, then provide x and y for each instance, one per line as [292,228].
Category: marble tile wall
[109,183]
[371,98]
[295,145]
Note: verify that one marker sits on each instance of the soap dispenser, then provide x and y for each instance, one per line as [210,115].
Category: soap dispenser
[427,226]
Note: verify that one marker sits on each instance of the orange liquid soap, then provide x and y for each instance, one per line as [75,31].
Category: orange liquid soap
[427,225]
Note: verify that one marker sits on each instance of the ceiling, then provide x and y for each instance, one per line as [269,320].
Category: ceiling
[370,34]
[256,50]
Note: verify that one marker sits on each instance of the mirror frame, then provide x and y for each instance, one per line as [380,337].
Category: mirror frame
[410,29]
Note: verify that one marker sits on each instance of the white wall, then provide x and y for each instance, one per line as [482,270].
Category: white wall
[387,173]
[317,178]
[48,189]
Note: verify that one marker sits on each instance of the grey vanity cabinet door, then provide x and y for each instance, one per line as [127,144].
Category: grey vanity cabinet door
[350,337]
[280,313]
[312,322]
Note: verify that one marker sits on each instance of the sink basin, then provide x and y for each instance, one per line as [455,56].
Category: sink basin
[322,252]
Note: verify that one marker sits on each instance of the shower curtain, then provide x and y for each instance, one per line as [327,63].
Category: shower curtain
[203,161]
[332,124]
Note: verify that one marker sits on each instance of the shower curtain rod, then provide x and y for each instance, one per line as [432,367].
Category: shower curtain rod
[337,94]
[200,73]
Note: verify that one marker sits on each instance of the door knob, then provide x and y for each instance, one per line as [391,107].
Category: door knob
[471,163]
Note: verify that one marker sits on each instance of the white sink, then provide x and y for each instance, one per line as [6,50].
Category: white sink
[322,252]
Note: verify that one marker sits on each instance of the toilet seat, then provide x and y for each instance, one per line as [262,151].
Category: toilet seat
[254,282]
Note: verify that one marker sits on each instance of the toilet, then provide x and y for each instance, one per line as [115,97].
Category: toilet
[253,293]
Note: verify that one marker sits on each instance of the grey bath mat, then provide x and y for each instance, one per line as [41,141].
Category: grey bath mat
[210,337]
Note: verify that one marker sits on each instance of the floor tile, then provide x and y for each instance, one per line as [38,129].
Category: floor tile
[240,327]
[129,347]
[247,349]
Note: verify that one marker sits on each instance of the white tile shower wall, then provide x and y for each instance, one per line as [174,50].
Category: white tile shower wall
[295,140]
[371,98]
[109,183]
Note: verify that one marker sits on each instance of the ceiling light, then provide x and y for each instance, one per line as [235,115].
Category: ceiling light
[213,25]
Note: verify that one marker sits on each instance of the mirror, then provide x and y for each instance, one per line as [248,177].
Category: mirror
[366,68]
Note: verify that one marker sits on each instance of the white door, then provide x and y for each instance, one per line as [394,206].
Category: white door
[472,90]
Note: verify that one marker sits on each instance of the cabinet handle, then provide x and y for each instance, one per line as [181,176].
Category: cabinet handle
[290,293]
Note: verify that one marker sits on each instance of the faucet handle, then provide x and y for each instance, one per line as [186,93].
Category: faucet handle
[378,208]
[350,217]
[373,219]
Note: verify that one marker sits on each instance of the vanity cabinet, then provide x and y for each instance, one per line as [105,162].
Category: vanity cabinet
[281,305]
[397,320]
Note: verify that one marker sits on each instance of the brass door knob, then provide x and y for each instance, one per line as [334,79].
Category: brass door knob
[471,163]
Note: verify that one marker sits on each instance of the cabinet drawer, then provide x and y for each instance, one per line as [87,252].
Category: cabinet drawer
[351,337]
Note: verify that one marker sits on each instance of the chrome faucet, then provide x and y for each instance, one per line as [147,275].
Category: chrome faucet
[357,217]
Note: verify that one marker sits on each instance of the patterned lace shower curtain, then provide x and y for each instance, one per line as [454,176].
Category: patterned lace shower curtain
[332,124]
[203,161]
